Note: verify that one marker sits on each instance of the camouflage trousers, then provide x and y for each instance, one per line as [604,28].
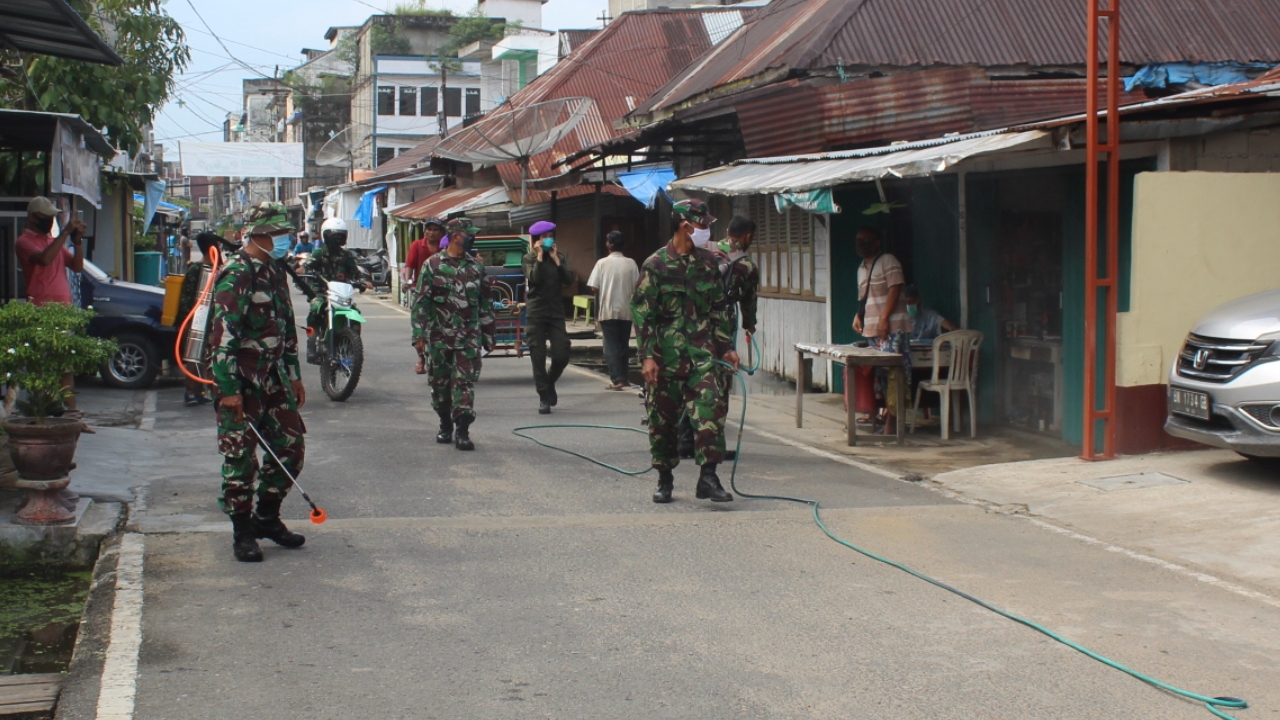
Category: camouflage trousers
[274,411]
[453,374]
[701,396]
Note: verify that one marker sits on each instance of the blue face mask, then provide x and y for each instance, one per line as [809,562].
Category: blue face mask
[280,246]
[547,243]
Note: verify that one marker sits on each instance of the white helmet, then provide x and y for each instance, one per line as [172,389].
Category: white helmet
[336,229]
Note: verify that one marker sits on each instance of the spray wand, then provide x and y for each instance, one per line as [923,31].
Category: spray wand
[318,515]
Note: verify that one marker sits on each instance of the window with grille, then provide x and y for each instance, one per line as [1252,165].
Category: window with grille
[473,102]
[386,100]
[453,102]
[783,249]
[385,154]
[430,101]
[408,101]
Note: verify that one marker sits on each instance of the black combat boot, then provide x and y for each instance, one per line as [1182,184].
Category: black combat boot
[709,487]
[445,435]
[463,439]
[666,482]
[245,545]
[267,525]
[684,437]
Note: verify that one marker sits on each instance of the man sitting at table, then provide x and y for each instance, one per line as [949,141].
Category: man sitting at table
[926,323]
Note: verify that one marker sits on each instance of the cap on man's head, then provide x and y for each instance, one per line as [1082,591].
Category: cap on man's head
[268,218]
[42,207]
[542,227]
[434,221]
[461,225]
[693,210]
[910,292]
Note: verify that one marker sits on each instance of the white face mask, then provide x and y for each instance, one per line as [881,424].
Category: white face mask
[701,236]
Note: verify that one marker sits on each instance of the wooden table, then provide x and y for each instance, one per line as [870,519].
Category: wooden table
[851,356]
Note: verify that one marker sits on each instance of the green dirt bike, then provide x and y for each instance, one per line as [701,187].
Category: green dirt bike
[336,347]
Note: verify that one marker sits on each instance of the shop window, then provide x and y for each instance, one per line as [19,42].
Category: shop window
[453,102]
[386,100]
[384,155]
[430,101]
[473,102]
[783,249]
[408,101]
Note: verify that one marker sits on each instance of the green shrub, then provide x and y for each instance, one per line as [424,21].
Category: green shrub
[41,343]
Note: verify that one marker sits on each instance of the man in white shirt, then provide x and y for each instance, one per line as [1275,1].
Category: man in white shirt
[614,279]
[883,318]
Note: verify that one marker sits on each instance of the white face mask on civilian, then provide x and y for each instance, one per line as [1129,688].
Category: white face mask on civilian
[701,236]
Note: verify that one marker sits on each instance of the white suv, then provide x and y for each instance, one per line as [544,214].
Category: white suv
[1224,387]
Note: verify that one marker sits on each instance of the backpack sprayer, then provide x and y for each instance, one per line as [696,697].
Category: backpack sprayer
[1212,704]
[191,348]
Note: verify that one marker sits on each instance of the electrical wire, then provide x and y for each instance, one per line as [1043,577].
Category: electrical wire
[1212,704]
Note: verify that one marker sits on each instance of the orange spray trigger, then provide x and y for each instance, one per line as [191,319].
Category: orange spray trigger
[318,516]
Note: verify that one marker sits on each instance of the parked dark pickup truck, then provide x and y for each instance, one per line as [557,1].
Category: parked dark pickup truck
[130,313]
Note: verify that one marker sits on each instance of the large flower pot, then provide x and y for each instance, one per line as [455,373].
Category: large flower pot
[44,451]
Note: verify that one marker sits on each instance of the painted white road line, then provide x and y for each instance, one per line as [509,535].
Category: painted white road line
[120,669]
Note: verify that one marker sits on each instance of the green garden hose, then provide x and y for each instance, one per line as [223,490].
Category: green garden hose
[1211,703]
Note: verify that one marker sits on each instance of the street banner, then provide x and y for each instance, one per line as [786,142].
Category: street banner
[242,159]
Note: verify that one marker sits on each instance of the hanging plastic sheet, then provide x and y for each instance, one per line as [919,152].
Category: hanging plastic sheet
[644,185]
[155,191]
[814,201]
[364,213]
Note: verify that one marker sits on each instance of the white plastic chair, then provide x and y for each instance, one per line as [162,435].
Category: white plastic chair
[961,377]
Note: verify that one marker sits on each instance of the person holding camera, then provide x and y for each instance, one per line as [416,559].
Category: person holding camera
[546,272]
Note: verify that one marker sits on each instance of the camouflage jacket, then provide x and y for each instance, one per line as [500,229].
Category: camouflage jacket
[252,332]
[453,307]
[679,308]
[741,282]
[339,266]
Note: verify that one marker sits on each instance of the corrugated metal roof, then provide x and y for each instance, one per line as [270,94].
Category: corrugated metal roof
[618,67]
[407,160]
[52,27]
[447,202]
[800,173]
[807,34]
[571,40]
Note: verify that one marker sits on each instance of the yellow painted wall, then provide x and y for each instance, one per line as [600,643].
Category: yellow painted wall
[1199,240]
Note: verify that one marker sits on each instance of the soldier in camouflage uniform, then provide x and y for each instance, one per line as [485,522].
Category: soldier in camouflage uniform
[333,262]
[452,321]
[682,327]
[254,359]
[741,281]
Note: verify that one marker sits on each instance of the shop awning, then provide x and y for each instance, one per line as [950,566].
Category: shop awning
[768,176]
[51,27]
[451,201]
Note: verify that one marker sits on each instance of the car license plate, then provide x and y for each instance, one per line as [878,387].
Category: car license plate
[1189,402]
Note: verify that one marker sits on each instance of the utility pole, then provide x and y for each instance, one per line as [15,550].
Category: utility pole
[444,86]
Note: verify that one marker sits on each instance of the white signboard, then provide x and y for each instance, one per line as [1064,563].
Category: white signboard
[242,159]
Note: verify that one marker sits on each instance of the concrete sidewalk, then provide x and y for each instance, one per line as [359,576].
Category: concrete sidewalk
[1207,511]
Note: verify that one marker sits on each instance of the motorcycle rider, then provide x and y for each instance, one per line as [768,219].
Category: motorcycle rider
[332,261]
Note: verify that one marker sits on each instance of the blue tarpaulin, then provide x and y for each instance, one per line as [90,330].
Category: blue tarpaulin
[644,185]
[364,213]
[1217,73]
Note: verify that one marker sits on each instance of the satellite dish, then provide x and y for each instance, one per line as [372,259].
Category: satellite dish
[340,150]
[516,135]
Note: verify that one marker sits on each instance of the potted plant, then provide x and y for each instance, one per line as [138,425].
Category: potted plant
[38,346]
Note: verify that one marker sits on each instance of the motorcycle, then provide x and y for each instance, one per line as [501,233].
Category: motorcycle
[338,349]
[376,270]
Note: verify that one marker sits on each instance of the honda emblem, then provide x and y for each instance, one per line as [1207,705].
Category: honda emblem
[1201,358]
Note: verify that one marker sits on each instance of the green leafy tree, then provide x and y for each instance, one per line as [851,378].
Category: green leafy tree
[123,100]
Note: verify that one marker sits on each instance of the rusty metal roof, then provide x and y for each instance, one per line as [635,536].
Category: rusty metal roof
[419,155]
[619,67]
[446,202]
[798,35]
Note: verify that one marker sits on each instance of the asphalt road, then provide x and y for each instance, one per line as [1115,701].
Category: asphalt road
[515,582]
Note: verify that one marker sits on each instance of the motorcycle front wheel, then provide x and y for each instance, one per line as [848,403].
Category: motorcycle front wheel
[340,372]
